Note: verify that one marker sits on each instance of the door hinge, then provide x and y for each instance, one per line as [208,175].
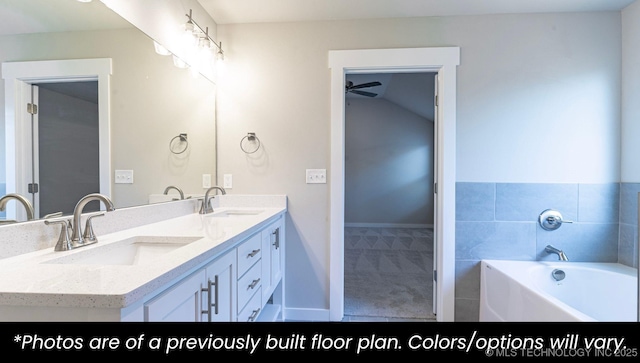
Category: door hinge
[436,100]
[32,108]
[435,275]
[32,188]
[435,188]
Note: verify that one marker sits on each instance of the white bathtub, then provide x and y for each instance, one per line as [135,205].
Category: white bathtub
[527,291]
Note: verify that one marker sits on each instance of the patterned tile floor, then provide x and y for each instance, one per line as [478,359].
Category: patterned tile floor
[388,274]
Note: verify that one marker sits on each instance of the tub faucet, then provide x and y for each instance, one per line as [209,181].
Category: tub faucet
[166,190]
[24,201]
[77,239]
[560,253]
[206,204]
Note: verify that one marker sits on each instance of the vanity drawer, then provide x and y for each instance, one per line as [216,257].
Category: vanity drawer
[248,253]
[252,309]
[249,284]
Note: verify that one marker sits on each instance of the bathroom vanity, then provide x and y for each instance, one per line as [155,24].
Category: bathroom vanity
[223,266]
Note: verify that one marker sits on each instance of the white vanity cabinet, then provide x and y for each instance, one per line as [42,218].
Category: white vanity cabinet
[218,296]
[226,266]
[244,284]
[179,303]
[206,295]
[249,277]
[272,259]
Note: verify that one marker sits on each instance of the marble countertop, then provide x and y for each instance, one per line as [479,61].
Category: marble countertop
[34,279]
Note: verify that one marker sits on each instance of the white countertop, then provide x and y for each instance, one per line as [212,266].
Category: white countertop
[31,280]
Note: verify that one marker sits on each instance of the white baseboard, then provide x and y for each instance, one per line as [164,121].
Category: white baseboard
[293,314]
[387,225]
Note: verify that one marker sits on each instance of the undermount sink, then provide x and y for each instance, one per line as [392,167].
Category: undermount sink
[137,250]
[236,213]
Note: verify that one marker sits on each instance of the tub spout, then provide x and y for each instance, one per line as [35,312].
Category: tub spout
[560,253]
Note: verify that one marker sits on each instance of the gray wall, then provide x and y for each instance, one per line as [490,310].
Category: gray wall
[68,151]
[388,164]
[538,101]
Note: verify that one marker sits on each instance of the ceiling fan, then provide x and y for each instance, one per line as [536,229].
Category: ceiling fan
[350,87]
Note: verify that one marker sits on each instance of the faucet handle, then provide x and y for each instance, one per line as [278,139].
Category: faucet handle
[205,207]
[88,236]
[551,219]
[64,242]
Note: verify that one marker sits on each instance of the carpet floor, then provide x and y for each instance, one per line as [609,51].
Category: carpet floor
[388,273]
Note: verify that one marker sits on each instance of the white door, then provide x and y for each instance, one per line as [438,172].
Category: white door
[435,191]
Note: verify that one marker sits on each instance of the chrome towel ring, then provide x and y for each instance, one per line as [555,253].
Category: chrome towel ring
[181,139]
[251,138]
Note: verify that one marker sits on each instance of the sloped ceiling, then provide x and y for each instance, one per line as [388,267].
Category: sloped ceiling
[41,16]
[412,91]
[256,11]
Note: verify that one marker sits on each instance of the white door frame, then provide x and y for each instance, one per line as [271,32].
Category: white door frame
[18,77]
[443,61]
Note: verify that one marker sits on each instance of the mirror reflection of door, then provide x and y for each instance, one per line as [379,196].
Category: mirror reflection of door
[65,147]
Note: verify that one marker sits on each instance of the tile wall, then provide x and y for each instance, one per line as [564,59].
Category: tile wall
[499,221]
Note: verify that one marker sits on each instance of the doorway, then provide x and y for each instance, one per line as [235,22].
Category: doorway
[19,78]
[443,61]
[65,157]
[389,197]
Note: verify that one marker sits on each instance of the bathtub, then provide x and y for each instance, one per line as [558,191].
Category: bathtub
[527,291]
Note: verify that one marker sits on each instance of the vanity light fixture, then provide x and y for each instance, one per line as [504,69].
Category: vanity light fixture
[160,49]
[204,40]
[84,1]
[220,54]
[179,62]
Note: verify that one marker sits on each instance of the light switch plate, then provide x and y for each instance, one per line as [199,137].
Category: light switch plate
[316,176]
[228,181]
[124,177]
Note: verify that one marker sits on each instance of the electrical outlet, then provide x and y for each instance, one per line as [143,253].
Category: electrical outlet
[124,177]
[228,181]
[316,176]
[206,180]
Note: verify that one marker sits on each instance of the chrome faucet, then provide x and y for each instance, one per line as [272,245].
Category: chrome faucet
[206,204]
[560,253]
[77,238]
[166,190]
[24,201]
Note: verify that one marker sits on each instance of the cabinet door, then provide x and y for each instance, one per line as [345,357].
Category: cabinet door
[272,258]
[181,303]
[277,243]
[219,296]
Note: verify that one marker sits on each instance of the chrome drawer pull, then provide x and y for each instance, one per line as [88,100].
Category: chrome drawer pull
[254,314]
[209,290]
[276,233]
[253,284]
[253,253]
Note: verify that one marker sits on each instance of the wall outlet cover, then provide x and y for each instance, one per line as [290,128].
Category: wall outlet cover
[206,180]
[228,181]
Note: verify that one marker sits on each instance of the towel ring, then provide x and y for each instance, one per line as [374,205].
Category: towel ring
[251,136]
[183,138]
